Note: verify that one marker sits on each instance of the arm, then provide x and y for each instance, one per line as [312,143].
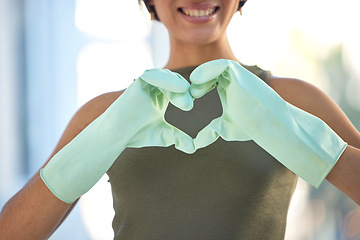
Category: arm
[34,212]
[346,173]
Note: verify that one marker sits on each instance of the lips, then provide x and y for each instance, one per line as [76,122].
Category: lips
[198,13]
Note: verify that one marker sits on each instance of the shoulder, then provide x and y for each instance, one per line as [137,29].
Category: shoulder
[301,94]
[94,108]
[85,115]
[311,99]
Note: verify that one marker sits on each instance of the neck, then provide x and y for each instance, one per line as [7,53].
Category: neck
[188,54]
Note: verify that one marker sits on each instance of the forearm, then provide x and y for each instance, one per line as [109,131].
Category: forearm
[33,213]
[346,173]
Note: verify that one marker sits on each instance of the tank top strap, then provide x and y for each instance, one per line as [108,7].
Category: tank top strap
[261,73]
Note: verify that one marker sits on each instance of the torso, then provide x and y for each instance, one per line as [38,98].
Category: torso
[228,190]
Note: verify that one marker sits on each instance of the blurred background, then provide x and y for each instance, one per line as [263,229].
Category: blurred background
[55,55]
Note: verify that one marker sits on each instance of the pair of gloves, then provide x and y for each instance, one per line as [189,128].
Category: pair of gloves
[251,111]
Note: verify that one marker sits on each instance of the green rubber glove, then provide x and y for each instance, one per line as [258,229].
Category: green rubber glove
[253,110]
[135,119]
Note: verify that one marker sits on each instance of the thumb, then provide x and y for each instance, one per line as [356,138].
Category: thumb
[172,85]
[181,140]
[165,79]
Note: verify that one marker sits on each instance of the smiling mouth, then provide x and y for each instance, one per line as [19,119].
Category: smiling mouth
[198,12]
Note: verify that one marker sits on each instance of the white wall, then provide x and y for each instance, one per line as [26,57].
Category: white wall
[11,142]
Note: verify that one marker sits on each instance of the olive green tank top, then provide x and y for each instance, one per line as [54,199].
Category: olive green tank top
[228,190]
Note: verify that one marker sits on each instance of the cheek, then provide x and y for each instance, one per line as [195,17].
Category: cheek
[229,12]
[163,9]
[231,6]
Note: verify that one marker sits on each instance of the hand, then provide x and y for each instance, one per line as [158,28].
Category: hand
[135,119]
[297,139]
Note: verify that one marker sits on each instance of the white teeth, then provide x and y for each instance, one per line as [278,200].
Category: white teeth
[198,13]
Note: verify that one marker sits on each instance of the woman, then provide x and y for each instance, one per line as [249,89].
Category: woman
[228,190]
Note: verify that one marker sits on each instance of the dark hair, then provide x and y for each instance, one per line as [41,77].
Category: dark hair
[151,9]
[241,4]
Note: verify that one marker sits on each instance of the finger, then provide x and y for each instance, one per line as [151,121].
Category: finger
[222,127]
[165,79]
[204,78]
[199,90]
[184,101]
[208,71]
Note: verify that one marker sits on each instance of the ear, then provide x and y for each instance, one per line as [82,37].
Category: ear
[152,11]
[241,4]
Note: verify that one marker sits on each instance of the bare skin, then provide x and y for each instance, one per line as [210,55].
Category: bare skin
[345,175]
[31,206]
[35,213]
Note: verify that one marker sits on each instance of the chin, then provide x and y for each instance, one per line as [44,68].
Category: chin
[201,37]
[201,41]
